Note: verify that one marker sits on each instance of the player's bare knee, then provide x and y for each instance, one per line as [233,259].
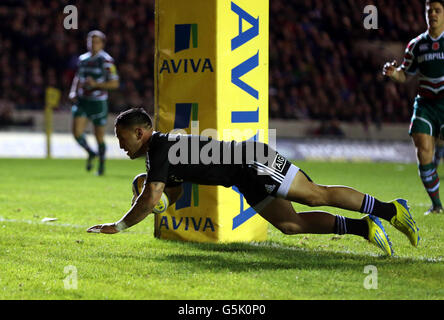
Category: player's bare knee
[424,148]
[425,155]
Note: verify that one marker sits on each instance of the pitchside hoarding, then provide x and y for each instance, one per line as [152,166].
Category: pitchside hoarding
[212,73]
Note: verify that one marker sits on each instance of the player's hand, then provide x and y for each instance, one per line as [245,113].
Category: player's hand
[72,96]
[108,228]
[389,68]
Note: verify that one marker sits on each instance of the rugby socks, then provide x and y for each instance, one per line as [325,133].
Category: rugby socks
[384,210]
[102,150]
[430,179]
[81,140]
[345,225]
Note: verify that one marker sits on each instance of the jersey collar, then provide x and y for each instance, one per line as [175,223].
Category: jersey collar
[96,55]
[150,139]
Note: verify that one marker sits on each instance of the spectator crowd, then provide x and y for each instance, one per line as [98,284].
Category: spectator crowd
[318,69]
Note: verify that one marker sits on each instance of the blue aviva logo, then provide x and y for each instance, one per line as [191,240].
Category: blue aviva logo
[185,114]
[185,36]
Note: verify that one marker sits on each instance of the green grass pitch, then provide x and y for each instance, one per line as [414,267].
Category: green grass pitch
[43,260]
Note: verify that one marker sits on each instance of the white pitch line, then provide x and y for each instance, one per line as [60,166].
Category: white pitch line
[49,223]
[257,244]
[54,224]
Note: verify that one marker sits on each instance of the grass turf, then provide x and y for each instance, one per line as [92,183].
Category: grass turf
[36,256]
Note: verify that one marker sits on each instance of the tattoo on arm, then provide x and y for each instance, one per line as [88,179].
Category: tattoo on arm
[144,204]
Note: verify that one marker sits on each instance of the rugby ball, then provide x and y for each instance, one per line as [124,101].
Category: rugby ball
[137,187]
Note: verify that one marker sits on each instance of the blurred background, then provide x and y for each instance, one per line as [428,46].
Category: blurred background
[325,68]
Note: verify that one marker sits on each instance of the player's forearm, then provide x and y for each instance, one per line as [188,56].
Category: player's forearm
[108,85]
[143,206]
[75,83]
[138,212]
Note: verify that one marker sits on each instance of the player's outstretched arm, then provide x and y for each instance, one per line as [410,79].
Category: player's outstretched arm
[395,73]
[143,206]
[107,85]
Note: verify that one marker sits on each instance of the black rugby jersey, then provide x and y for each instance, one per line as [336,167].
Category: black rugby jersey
[174,159]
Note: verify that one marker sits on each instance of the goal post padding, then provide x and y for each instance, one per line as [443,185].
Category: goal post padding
[211,72]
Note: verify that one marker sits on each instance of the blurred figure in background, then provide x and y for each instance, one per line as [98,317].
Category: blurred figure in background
[96,74]
[425,56]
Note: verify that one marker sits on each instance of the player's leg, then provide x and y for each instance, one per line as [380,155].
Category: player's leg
[78,126]
[425,147]
[424,127]
[269,188]
[80,120]
[99,132]
[305,191]
[281,214]
[98,113]
[78,129]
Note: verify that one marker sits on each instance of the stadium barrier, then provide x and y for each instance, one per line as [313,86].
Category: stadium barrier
[288,129]
[63,146]
[32,145]
[295,140]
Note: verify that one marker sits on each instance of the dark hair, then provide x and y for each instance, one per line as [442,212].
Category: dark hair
[428,2]
[97,33]
[132,117]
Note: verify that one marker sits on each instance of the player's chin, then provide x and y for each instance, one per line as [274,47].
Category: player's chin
[130,154]
[135,155]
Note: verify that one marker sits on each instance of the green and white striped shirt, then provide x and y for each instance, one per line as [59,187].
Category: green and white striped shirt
[101,68]
[424,56]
